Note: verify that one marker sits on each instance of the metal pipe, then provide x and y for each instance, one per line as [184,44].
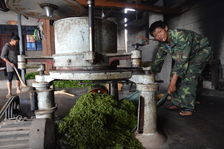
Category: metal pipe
[21,50]
[45,100]
[33,100]
[91,5]
[114,89]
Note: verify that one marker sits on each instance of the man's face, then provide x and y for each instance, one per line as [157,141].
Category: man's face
[161,34]
[14,42]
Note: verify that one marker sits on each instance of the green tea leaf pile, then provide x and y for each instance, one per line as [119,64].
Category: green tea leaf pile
[97,121]
[71,83]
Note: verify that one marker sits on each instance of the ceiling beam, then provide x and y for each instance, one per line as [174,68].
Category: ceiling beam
[115,4]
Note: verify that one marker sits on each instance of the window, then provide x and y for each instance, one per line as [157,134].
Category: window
[32,44]
[125,30]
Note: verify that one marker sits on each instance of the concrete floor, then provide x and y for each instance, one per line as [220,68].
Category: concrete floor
[203,130]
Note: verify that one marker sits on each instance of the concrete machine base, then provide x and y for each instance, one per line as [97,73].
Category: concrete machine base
[152,141]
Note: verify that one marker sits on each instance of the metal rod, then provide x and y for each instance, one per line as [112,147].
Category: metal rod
[91,5]
[114,89]
[21,50]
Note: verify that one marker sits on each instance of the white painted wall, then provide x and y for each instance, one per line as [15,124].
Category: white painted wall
[10,15]
[204,17]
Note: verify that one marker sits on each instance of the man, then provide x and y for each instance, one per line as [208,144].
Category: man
[190,52]
[9,56]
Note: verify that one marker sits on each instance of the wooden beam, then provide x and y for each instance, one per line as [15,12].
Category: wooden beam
[48,41]
[156,9]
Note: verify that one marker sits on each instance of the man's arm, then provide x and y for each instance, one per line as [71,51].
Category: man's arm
[7,61]
[181,61]
[4,55]
[172,85]
[159,60]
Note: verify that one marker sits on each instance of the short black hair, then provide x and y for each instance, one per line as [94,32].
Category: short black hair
[155,25]
[15,37]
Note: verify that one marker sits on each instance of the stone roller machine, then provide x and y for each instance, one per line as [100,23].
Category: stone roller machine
[85,49]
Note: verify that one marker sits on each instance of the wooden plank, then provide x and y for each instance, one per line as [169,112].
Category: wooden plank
[48,41]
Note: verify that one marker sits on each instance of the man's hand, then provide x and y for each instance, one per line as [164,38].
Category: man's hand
[7,61]
[172,86]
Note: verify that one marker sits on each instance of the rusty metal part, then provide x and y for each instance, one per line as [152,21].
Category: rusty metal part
[32,8]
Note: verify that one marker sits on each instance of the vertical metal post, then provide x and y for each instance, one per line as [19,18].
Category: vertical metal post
[91,5]
[21,50]
[45,100]
[114,89]
[150,137]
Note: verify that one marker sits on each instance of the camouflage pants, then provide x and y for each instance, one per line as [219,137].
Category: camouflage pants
[185,95]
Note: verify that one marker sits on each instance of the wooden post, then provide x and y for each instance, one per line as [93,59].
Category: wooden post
[48,41]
